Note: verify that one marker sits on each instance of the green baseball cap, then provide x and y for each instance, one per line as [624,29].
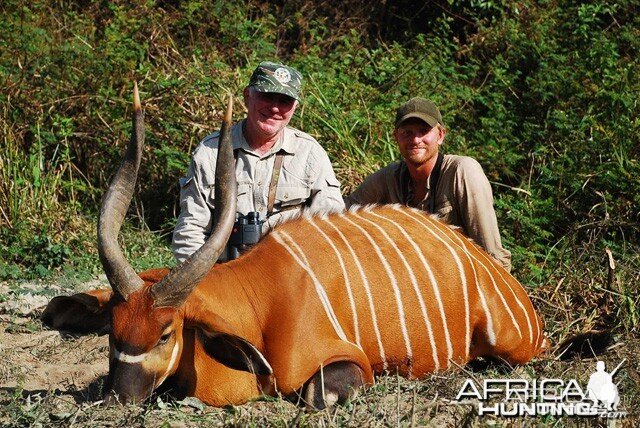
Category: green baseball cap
[276,78]
[420,108]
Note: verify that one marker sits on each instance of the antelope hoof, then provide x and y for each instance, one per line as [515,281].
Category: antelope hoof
[334,384]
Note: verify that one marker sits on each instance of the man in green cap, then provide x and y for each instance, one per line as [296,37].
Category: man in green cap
[279,170]
[453,187]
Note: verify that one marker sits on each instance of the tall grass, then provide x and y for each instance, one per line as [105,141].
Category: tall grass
[31,184]
[357,152]
[38,205]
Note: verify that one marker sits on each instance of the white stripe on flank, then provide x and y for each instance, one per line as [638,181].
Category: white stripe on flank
[174,356]
[520,304]
[491,334]
[347,281]
[463,277]
[392,278]
[515,323]
[299,253]
[365,285]
[324,299]
[436,291]
[539,330]
[126,358]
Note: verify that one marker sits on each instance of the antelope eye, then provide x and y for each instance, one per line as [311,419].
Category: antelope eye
[164,338]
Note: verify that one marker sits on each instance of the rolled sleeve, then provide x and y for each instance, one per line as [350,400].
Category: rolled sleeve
[194,221]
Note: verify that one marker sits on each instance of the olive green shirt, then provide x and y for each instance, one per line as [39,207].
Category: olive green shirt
[306,180]
[463,198]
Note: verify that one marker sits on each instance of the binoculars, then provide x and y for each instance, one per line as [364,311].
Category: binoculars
[246,232]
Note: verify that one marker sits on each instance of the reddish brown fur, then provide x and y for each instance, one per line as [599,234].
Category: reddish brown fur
[267,299]
[137,324]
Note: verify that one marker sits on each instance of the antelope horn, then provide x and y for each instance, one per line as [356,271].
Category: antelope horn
[115,202]
[177,285]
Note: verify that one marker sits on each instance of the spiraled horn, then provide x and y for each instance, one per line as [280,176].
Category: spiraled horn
[115,203]
[176,286]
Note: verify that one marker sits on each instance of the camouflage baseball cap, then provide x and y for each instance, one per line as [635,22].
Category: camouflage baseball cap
[422,109]
[278,78]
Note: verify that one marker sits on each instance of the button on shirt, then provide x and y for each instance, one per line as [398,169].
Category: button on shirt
[306,180]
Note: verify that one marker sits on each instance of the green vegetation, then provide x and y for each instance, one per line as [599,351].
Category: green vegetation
[543,93]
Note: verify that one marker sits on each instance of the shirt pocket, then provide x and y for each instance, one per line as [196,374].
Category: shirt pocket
[244,192]
[293,189]
[293,175]
[245,198]
[291,195]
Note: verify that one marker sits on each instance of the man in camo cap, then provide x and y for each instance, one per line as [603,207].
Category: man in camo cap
[274,78]
[280,170]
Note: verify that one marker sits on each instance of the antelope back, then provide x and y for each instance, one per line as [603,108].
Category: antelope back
[411,292]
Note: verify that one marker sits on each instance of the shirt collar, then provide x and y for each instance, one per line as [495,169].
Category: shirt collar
[286,143]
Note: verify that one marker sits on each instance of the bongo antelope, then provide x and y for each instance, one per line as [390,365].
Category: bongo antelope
[317,308]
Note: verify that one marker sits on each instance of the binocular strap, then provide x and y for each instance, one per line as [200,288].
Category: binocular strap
[277,166]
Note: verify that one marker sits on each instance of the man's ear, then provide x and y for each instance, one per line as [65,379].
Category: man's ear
[229,349]
[443,133]
[88,312]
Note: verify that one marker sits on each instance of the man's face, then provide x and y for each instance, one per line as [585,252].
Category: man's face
[268,113]
[418,141]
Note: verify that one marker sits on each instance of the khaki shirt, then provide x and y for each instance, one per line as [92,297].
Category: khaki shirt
[463,198]
[306,181]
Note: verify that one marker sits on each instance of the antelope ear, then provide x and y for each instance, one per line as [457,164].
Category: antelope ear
[231,350]
[80,313]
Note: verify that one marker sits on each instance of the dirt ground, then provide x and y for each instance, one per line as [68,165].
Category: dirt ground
[39,360]
[48,378]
